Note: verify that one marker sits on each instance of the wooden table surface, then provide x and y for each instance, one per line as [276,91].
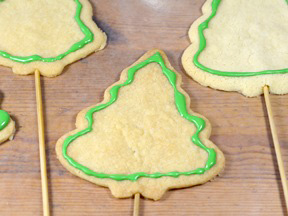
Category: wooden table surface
[250,184]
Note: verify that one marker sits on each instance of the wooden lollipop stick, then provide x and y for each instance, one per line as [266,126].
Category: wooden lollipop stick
[136,204]
[276,144]
[42,152]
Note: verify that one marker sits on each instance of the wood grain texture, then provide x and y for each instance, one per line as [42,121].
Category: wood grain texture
[250,184]
[276,144]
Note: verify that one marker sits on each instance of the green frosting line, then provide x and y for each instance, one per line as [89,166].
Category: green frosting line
[89,37]
[4,119]
[180,102]
[202,46]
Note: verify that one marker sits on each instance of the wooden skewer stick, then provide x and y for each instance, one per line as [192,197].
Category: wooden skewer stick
[136,204]
[42,152]
[276,144]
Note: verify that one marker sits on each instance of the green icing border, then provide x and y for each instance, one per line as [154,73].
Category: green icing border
[4,119]
[202,46]
[180,102]
[89,37]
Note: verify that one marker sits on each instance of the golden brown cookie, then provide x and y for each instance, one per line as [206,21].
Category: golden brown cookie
[143,137]
[240,46]
[7,126]
[46,35]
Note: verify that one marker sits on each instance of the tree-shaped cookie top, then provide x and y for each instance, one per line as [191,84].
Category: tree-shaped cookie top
[240,46]
[180,102]
[143,131]
[36,32]
[244,38]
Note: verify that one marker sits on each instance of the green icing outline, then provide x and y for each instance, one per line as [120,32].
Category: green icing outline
[180,102]
[5,117]
[89,37]
[202,46]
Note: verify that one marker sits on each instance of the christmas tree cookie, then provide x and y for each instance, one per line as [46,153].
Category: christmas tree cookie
[240,46]
[46,35]
[7,127]
[143,137]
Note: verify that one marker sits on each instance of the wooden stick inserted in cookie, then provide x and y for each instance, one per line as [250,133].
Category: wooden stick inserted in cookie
[276,144]
[42,148]
[136,204]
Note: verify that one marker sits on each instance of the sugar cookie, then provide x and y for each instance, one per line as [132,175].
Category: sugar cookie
[7,126]
[143,137]
[240,46]
[46,35]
